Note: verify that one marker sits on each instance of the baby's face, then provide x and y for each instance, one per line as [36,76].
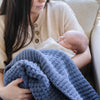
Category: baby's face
[74,40]
[66,42]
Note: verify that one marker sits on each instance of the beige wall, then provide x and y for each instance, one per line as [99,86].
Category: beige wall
[98,1]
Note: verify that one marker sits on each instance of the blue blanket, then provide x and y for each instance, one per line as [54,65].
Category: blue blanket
[50,75]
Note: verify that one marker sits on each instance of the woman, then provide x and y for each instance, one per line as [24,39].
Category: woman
[27,23]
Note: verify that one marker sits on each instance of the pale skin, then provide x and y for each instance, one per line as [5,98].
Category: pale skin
[12,91]
[81,59]
[74,40]
[65,42]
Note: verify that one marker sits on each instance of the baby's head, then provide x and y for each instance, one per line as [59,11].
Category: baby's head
[75,41]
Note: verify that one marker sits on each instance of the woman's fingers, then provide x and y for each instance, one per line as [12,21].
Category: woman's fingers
[27,91]
[15,92]
[29,96]
[22,90]
[16,82]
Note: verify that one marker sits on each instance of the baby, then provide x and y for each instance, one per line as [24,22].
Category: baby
[74,40]
[71,42]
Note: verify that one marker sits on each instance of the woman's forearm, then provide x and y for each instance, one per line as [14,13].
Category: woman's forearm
[1,83]
[1,80]
[82,59]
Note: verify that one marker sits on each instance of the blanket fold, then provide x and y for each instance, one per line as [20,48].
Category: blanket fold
[50,75]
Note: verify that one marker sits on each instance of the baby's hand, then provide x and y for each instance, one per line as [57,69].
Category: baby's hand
[60,39]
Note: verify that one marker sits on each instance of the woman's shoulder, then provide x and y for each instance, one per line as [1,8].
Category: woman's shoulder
[58,4]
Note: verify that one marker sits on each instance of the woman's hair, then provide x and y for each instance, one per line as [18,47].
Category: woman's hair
[16,24]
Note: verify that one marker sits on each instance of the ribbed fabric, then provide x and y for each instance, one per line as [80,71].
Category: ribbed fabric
[50,75]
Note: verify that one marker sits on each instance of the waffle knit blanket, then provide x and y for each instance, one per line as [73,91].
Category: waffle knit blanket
[50,75]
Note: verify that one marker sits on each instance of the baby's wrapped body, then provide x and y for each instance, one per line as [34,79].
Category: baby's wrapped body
[50,43]
[71,42]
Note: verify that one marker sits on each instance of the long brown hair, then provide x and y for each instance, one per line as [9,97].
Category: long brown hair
[16,24]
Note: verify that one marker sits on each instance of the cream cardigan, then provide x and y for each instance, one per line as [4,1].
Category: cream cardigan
[56,19]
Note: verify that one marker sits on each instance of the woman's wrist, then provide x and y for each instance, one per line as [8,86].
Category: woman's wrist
[1,85]
[1,80]
[1,92]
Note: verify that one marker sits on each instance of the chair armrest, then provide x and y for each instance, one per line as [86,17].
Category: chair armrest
[95,49]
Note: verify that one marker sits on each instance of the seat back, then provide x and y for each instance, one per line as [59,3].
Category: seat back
[86,12]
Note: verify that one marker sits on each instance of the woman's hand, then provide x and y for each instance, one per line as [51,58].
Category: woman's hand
[13,92]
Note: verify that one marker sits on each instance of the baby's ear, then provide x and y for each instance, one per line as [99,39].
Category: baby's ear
[75,51]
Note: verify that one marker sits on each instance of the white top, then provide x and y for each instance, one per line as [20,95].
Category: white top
[50,43]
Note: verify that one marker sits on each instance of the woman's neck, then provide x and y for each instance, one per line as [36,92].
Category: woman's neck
[34,17]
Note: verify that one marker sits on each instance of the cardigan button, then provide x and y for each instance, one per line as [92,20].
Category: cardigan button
[37,32]
[36,40]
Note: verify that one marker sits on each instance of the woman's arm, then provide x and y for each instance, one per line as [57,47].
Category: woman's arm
[82,59]
[71,23]
[12,91]
[1,80]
